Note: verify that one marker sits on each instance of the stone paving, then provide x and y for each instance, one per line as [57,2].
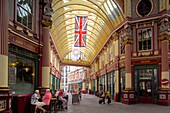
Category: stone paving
[89,104]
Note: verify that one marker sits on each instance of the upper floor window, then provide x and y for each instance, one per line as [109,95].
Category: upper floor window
[25,12]
[144,39]
[103,58]
[111,52]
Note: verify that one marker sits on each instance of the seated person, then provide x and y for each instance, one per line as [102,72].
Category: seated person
[61,95]
[35,97]
[45,101]
[56,93]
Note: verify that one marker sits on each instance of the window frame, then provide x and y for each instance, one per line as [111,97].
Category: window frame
[32,14]
[151,40]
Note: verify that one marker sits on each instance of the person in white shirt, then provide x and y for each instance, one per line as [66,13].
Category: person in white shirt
[35,97]
[57,92]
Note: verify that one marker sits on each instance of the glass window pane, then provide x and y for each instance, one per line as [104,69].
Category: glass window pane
[25,12]
[21,74]
[30,21]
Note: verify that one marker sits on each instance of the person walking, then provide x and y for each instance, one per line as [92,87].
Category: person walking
[101,95]
[108,97]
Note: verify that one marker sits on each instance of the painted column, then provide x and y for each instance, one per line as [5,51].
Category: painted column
[128,75]
[164,91]
[116,77]
[5,98]
[83,87]
[46,24]
[106,82]
[116,81]
[89,90]
[128,93]
[46,58]
[165,65]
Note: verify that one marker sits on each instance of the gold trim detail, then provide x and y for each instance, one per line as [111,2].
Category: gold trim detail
[164,37]
[4,88]
[128,40]
[47,23]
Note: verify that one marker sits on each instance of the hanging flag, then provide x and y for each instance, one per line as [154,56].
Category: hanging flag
[80,31]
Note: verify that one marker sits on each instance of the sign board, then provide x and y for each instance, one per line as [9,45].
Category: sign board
[75,98]
[165,81]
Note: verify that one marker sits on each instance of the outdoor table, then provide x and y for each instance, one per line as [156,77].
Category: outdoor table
[53,106]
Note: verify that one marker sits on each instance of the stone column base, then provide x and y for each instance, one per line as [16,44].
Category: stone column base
[128,97]
[6,100]
[164,97]
[116,97]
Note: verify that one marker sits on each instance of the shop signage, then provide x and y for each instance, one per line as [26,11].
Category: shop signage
[54,72]
[23,43]
[165,81]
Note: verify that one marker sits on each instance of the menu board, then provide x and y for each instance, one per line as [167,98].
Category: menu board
[75,98]
[12,75]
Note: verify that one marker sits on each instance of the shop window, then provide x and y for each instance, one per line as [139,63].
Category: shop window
[25,12]
[122,81]
[21,74]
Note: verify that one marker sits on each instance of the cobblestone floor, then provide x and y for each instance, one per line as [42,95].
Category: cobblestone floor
[89,104]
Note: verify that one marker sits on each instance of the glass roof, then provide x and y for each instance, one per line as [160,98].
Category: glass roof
[103,17]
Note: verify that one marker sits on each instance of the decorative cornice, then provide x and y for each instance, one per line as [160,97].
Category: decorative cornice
[47,23]
[128,40]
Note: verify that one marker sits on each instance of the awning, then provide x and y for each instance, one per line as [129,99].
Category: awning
[74,82]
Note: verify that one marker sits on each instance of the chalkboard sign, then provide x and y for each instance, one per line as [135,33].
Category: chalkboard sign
[75,98]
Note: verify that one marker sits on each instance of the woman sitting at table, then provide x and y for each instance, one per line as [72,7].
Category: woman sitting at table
[61,95]
[35,97]
[45,101]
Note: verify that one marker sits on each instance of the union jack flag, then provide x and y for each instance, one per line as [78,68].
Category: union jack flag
[80,31]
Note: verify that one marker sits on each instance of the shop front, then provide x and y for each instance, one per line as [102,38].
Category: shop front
[55,78]
[146,84]
[23,69]
[110,83]
[122,82]
[74,86]
[22,76]
[102,82]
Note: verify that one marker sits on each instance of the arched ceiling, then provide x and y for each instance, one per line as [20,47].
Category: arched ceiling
[103,17]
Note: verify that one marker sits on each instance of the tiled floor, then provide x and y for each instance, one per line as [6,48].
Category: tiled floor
[89,104]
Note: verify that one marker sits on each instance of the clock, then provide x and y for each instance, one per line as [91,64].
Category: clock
[144,7]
